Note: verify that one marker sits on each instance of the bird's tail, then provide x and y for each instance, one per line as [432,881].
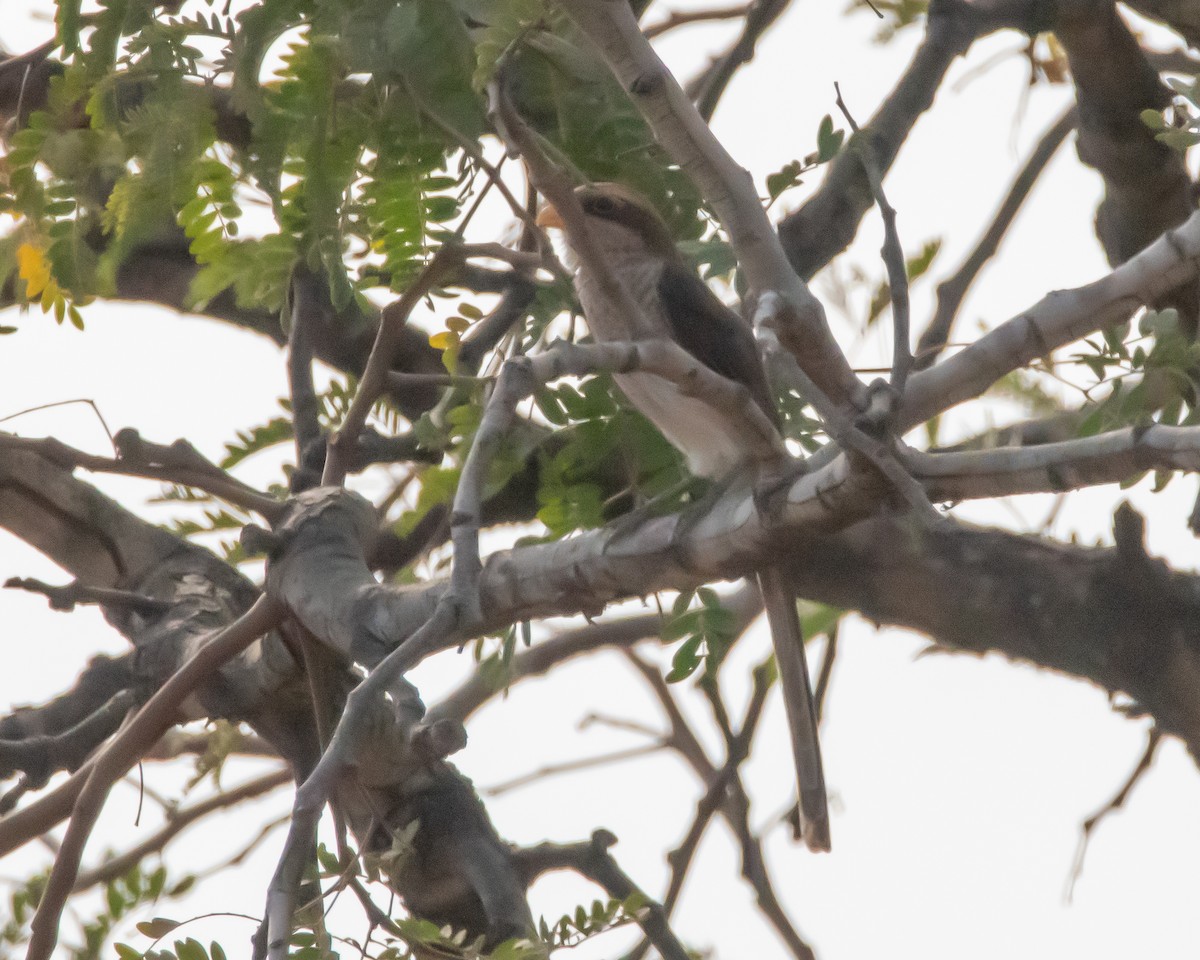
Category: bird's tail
[799,705]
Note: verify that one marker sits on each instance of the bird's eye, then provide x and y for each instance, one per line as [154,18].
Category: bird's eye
[603,206]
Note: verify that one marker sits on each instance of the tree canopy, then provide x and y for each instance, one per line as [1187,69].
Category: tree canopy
[454,470]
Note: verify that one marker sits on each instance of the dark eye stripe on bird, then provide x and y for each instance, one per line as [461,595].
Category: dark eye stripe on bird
[677,304]
[611,201]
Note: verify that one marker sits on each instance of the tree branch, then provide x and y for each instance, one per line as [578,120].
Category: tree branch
[147,726]
[1059,318]
[952,291]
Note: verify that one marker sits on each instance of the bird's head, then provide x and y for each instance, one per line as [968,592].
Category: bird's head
[621,222]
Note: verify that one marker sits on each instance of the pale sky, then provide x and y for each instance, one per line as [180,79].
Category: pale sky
[958,784]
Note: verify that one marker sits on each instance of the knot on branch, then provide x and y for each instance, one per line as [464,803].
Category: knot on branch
[646,84]
[879,411]
[438,740]
[258,541]
[1129,534]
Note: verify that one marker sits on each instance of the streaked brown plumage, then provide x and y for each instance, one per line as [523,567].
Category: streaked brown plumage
[677,305]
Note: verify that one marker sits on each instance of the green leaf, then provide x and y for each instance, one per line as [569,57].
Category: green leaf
[682,602]
[68,21]
[157,928]
[829,140]
[1153,119]
[116,902]
[429,45]
[190,949]
[919,264]
[681,626]
[686,660]
[785,178]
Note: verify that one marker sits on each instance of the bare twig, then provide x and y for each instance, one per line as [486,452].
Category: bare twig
[67,596]
[892,253]
[734,808]
[828,221]
[374,379]
[682,18]
[737,750]
[1116,803]
[177,822]
[573,766]
[178,463]
[63,403]
[826,674]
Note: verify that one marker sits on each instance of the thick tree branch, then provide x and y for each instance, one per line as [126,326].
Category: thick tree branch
[1059,318]
[1056,467]
[178,463]
[1147,186]
[1123,620]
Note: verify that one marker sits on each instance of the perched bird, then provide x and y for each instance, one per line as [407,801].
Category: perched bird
[677,305]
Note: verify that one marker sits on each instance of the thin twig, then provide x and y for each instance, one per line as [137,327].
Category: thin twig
[592,860]
[179,463]
[177,822]
[1116,803]
[682,18]
[67,596]
[63,403]
[708,88]
[826,674]
[573,766]
[892,254]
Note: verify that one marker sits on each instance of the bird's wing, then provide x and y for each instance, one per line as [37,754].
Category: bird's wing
[712,333]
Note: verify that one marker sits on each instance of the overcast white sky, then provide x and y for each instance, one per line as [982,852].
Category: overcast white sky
[958,784]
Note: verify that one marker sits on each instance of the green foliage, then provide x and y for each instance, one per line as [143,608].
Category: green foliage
[829,144]
[422,938]
[1179,125]
[707,630]
[130,893]
[1150,383]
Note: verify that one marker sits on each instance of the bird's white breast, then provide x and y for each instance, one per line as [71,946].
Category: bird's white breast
[713,441]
